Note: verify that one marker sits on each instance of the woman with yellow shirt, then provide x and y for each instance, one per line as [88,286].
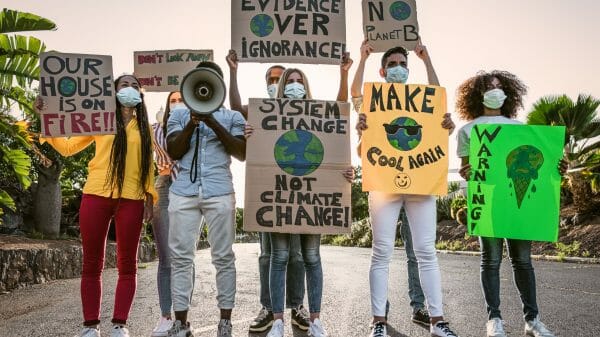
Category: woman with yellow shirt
[120,184]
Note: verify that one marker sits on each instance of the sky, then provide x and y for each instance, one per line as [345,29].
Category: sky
[551,45]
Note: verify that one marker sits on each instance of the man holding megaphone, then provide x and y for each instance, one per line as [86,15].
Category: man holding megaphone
[202,138]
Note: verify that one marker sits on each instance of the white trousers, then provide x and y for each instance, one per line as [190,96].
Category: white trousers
[384,210]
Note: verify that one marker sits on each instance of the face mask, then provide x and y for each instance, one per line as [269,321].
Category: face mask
[494,99]
[160,115]
[294,90]
[129,97]
[174,106]
[397,74]
[272,90]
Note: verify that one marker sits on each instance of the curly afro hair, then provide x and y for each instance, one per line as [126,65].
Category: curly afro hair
[469,101]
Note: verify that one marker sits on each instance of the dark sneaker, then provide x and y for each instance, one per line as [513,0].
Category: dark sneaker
[379,329]
[180,330]
[225,328]
[421,317]
[262,322]
[300,317]
[442,329]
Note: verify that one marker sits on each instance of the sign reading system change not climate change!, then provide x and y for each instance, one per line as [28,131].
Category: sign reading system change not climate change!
[294,165]
[290,31]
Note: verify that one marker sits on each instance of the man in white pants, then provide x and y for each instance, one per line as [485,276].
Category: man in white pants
[203,146]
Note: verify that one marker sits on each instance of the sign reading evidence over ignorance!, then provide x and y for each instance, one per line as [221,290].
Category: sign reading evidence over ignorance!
[294,165]
[163,70]
[404,149]
[79,94]
[514,190]
[390,23]
[290,31]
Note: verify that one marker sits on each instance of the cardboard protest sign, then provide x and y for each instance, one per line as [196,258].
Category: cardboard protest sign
[294,165]
[78,90]
[514,190]
[390,23]
[404,150]
[292,31]
[163,70]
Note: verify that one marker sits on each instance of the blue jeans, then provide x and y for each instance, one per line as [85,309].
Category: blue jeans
[294,278]
[519,252]
[415,293]
[280,246]
[160,229]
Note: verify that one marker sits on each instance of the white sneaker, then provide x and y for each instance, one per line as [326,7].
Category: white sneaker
[315,329]
[119,331]
[276,329]
[441,329]
[536,328]
[495,328]
[162,327]
[379,330]
[90,332]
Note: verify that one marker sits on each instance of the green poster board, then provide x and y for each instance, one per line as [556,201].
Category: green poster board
[514,190]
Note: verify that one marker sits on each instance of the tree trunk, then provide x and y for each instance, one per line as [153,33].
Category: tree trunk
[582,193]
[48,201]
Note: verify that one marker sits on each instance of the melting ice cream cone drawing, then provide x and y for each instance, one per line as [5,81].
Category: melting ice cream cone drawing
[523,164]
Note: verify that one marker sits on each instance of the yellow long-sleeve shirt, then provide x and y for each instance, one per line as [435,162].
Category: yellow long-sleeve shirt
[98,167]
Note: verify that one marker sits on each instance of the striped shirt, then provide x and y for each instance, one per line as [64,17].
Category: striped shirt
[164,163]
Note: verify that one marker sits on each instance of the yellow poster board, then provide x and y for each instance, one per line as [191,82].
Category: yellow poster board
[404,149]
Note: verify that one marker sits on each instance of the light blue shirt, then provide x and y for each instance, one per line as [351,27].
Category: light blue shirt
[214,174]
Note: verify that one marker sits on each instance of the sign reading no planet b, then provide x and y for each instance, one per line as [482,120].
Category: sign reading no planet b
[294,165]
[163,70]
[390,23]
[405,148]
[79,94]
[289,31]
[514,190]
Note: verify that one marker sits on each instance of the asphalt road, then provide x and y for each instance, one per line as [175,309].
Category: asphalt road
[568,296]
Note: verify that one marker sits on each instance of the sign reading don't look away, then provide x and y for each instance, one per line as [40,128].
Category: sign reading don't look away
[290,31]
[79,94]
[294,165]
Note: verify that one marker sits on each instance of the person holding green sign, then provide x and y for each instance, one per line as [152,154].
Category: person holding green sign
[494,98]
[384,209]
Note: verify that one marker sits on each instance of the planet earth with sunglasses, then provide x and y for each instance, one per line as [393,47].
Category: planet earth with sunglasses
[298,152]
[403,133]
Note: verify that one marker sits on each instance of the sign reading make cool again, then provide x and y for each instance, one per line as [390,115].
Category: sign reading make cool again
[292,31]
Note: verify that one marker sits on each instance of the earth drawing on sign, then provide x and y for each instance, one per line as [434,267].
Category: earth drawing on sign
[298,152]
[403,133]
[261,25]
[400,10]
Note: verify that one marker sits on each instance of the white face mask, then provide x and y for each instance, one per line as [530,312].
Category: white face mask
[272,90]
[397,74]
[174,106]
[129,97]
[294,90]
[494,99]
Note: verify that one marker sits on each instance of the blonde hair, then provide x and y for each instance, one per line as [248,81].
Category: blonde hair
[283,82]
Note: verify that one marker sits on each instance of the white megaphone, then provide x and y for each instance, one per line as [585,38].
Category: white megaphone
[203,91]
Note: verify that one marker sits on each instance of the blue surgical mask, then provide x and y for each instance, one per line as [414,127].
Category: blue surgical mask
[494,99]
[177,106]
[272,90]
[397,74]
[129,97]
[294,90]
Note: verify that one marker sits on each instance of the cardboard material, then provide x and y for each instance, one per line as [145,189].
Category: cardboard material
[78,90]
[163,70]
[405,149]
[390,23]
[514,190]
[294,165]
[289,31]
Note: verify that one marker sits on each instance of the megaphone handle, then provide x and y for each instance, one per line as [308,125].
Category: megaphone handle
[194,165]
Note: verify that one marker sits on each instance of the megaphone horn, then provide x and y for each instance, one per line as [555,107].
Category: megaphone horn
[203,90]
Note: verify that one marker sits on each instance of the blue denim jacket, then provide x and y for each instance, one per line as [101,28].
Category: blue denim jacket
[214,174]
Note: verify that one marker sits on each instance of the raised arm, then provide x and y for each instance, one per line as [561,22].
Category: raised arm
[344,68]
[235,101]
[423,54]
[357,82]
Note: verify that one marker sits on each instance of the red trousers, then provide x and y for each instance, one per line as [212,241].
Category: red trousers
[95,214]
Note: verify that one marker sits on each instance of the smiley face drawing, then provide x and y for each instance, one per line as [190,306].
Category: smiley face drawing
[402,180]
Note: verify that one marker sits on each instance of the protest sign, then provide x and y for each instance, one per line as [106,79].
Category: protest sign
[163,70]
[514,190]
[294,165]
[79,93]
[292,31]
[404,149]
[390,23]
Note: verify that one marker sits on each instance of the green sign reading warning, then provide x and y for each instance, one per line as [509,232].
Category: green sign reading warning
[514,190]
